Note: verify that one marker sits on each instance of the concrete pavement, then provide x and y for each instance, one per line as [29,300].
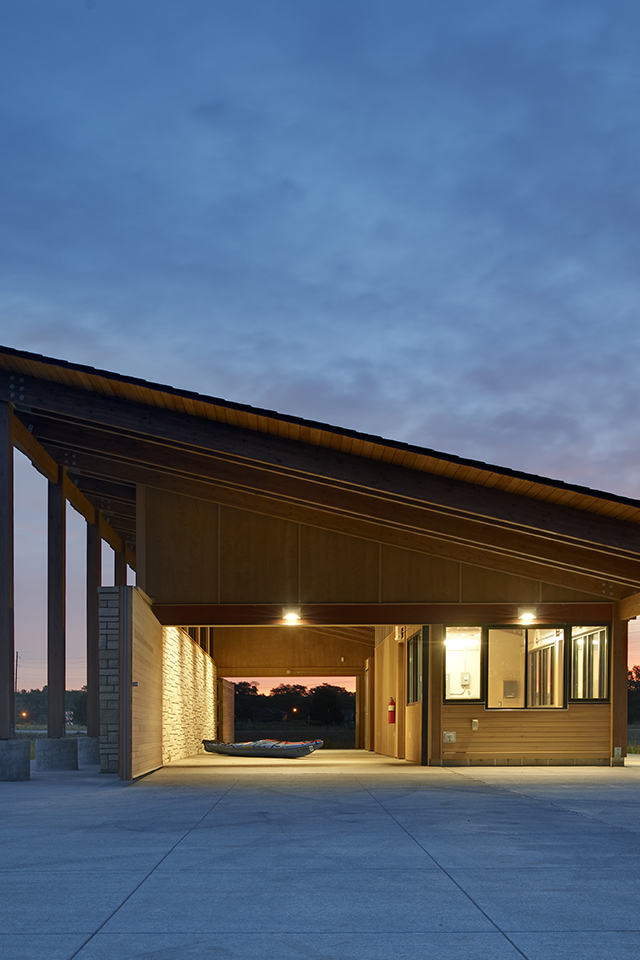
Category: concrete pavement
[341,855]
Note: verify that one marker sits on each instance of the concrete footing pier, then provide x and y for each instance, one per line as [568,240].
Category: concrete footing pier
[14,760]
[57,753]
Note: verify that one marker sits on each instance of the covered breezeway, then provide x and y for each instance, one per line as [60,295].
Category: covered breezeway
[234,519]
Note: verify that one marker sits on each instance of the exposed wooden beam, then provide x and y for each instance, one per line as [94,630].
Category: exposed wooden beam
[45,463]
[34,451]
[369,530]
[316,614]
[274,453]
[615,565]
[630,607]
[253,671]
[108,533]
[77,499]
[110,492]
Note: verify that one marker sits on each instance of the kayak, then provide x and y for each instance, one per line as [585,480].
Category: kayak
[264,748]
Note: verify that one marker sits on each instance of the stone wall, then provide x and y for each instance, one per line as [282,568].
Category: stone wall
[185,700]
[109,665]
[188,698]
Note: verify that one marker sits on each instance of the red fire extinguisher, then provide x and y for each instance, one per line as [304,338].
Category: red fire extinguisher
[392,710]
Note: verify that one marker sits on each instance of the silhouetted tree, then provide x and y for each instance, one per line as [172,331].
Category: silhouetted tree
[329,705]
[247,700]
[633,695]
[292,698]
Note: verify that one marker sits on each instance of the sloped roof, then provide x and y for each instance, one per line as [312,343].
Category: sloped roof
[20,363]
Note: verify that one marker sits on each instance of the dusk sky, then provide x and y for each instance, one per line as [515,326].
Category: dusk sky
[409,218]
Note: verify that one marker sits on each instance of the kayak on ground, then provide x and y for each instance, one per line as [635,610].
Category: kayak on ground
[264,748]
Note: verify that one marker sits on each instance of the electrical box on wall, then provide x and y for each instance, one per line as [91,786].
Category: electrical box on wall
[448,736]
[465,679]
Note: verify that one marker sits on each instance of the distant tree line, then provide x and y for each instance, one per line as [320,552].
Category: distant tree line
[325,705]
[31,705]
[633,696]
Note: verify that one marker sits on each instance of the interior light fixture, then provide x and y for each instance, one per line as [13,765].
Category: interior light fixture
[526,614]
[291,614]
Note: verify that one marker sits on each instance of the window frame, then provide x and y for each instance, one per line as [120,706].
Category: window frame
[567,661]
[414,667]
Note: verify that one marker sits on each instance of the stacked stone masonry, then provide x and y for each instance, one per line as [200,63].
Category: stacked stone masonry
[188,697]
[109,665]
[183,711]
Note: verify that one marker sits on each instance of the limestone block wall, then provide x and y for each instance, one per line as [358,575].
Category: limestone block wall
[171,686]
[109,665]
[188,697]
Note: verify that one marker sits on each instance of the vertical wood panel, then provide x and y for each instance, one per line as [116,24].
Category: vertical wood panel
[94,580]
[258,558]
[180,551]
[620,634]
[336,568]
[56,625]
[415,577]
[146,687]
[7,650]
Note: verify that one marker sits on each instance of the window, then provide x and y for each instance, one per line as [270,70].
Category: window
[506,667]
[533,668]
[545,667]
[462,663]
[589,663]
[414,668]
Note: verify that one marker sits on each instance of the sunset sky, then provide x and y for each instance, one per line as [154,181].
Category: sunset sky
[413,219]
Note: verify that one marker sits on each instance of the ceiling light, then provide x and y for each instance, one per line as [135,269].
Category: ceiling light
[291,614]
[526,614]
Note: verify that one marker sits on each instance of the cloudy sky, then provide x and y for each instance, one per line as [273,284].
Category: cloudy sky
[411,218]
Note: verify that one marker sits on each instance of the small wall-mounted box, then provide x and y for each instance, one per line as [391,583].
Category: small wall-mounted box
[474,724]
[448,736]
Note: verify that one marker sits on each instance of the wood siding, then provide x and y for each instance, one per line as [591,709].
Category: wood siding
[305,651]
[196,551]
[580,733]
[146,693]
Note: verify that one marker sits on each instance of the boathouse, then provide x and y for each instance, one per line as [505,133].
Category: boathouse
[482,610]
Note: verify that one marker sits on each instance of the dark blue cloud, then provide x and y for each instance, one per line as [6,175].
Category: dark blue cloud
[415,219]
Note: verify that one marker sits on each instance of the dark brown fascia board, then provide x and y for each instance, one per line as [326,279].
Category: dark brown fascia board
[312,614]
[79,399]
[373,478]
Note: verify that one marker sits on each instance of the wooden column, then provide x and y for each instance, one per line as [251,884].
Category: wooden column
[56,626]
[119,568]
[618,681]
[435,669]
[94,580]
[7,650]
